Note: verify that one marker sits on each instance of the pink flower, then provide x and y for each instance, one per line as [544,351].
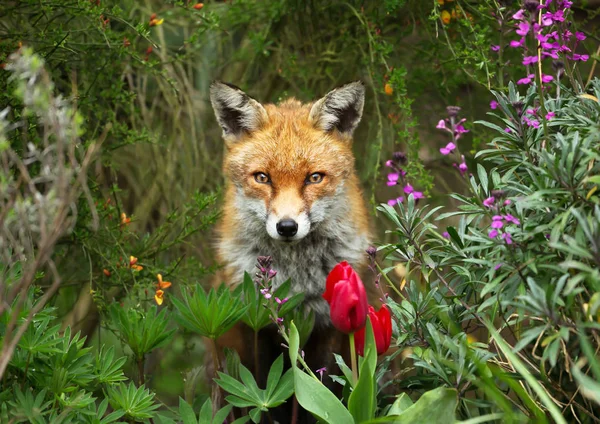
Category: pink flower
[547,78]
[393,202]
[580,57]
[580,36]
[526,80]
[509,218]
[493,104]
[519,43]
[389,163]
[493,234]
[507,130]
[528,60]
[497,222]
[507,238]
[520,15]
[446,235]
[408,189]
[507,202]
[459,129]
[550,115]
[523,28]
[441,124]
[418,195]
[489,202]
[393,179]
[495,48]
[462,167]
[448,149]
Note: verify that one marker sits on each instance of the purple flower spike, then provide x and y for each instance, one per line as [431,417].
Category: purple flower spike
[497,224]
[523,28]
[528,60]
[393,202]
[547,78]
[497,267]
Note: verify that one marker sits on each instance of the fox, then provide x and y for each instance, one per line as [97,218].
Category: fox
[292,193]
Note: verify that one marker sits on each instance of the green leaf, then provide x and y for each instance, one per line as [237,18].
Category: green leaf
[363,400]
[255,415]
[402,403]
[187,413]
[435,406]
[311,394]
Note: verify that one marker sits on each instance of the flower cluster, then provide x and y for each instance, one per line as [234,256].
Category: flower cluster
[349,308]
[495,203]
[456,129]
[545,24]
[264,280]
[161,286]
[397,177]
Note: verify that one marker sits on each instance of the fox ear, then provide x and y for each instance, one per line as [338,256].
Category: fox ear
[236,112]
[340,109]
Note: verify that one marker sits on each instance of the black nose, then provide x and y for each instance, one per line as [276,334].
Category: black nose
[287,228]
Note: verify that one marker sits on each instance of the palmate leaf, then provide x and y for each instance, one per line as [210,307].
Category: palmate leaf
[106,370]
[142,332]
[137,402]
[247,394]
[210,315]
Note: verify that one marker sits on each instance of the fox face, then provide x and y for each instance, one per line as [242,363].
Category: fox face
[289,166]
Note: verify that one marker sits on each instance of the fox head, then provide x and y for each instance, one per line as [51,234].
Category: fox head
[291,163]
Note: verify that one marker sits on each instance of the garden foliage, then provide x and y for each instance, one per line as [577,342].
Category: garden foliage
[109,181]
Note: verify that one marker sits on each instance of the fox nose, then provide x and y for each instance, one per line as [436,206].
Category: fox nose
[287,228]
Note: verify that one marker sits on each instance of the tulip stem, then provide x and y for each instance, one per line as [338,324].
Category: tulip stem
[353,360]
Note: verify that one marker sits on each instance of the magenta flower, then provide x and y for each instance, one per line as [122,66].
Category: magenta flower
[531,122]
[441,124]
[507,238]
[393,179]
[459,129]
[393,202]
[580,57]
[462,167]
[493,104]
[547,78]
[507,202]
[448,149]
[408,189]
[489,202]
[526,80]
[446,235]
[550,115]
[523,28]
[520,15]
[418,195]
[507,130]
[529,60]
[509,218]
[389,163]
[580,36]
[497,222]
[517,43]
[495,48]
[266,293]
[497,266]
[493,234]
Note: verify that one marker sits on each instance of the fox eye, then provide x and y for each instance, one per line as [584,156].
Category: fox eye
[315,178]
[262,178]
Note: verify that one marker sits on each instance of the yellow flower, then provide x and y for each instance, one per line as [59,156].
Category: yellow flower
[124,219]
[162,284]
[133,264]
[446,17]
[156,22]
[158,297]
[388,89]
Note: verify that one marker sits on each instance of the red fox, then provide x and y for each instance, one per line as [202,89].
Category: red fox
[292,193]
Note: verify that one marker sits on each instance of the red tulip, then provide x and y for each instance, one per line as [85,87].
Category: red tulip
[347,298]
[382,330]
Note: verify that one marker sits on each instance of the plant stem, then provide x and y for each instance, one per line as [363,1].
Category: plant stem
[295,411]
[216,390]
[256,361]
[140,364]
[353,360]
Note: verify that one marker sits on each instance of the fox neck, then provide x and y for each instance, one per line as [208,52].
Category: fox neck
[339,236]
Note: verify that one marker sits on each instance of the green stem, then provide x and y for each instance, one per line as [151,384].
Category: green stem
[353,360]
[256,361]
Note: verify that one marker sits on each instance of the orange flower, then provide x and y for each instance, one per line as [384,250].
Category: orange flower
[124,219]
[198,6]
[388,89]
[158,297]
[156,22]
[106,272]
[126,42]
[153,16]
[133,264]
[162,284]
[446,17]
